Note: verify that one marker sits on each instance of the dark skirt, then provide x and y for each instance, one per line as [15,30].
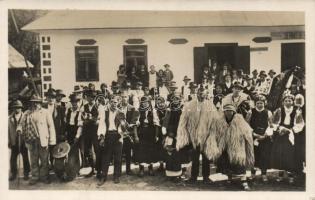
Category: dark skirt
[146,150]
[299,151]
[262,154]
[282,153]
[224,166]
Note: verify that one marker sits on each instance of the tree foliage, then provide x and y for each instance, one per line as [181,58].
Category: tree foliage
[25,42]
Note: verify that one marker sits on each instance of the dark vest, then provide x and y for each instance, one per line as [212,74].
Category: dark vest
[292,116]
[69,115]
[259,121]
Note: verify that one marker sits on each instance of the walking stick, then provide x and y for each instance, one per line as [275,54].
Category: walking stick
[19,159]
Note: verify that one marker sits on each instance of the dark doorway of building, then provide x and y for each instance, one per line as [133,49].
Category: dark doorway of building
[238,57]
[135,56]
[292,54]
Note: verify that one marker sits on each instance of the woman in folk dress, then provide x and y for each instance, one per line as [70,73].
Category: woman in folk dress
[287,121]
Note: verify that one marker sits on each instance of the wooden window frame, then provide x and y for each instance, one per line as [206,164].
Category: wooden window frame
[77,48]
[145,47]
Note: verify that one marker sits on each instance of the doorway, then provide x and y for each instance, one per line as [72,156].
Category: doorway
[292,54]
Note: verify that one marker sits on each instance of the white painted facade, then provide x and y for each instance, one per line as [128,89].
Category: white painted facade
[110,44]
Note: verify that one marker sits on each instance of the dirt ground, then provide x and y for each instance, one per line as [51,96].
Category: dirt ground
[157,183]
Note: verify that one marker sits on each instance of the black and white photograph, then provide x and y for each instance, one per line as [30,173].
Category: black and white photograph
[157,100]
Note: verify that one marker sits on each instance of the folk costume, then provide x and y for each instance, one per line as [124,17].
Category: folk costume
[89,136]
[260,122]
[147,149]
[235,144]
[174,159]
[195,128]
[287,122]
[17,143]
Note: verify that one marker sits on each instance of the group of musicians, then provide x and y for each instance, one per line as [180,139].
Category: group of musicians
[149,124]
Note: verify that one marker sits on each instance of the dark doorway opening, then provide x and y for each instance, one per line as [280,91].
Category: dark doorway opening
[292,54]
[238,57]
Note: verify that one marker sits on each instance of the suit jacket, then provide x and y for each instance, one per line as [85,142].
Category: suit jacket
[44,126]
[12,130]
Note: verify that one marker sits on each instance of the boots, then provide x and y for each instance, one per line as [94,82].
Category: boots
[141,170]
[151,173]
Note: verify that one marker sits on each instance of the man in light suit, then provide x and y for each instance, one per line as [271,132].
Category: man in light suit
[39,132]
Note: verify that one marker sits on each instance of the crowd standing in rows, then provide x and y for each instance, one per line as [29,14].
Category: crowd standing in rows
[145,118]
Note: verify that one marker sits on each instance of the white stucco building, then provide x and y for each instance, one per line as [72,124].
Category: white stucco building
[78,47]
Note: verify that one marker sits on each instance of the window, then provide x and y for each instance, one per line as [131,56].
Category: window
[86,63]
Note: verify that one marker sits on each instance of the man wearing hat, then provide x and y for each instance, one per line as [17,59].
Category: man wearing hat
[237,97]
[137,94]
[193,91]
[39,132]
[89,133]
[185,88]
[172,89]
[262,86]
[115,87]
[270,81]
[168,74]
[79,93]
[237,153]
[16,141]
[191,132]
[152,77]
[249,88]
[255,76]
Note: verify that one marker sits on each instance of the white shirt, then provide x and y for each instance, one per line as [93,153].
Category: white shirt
[51,108]
[72,118]
[101,120]
[111,121]
[152,79]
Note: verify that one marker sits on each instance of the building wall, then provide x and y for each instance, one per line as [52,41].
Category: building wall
[180,57]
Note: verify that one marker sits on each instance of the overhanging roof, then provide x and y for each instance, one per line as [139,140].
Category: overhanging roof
[16,60]
[83,19]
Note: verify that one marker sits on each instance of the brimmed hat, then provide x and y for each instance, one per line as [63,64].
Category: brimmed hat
[271,72]
[186,78]
[50,93]
[74,98]
[61,150]
[77,89]
[166,65]
[145,99]
[227,107]
[262,73]
[255,71]
[17,104]
[114,84]
[193,85]
[172,84]
[90,93]
[104,85]
[237,85]
[36,98]
[60,93]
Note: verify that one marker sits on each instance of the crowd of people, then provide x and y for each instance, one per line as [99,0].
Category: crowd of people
[226,120]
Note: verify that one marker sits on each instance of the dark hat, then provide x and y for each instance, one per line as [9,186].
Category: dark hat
[262,73]
[104,85]
[227,107]
[77,89]
[90,93]
[186,78]
[272,72]
[255,71]
[17,104]
[166,65]
[193,85]
[237,85]
[114,84]
[247,77]
[91,85]
[60,93]
[145,99]
[74,98]
[36,98]
[61,150]
[50,92]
